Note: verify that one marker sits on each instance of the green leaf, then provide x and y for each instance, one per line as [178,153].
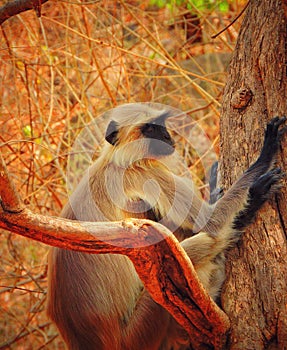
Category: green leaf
[223,6]
[27,131]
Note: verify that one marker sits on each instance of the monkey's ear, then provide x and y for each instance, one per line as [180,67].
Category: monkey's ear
[112,132]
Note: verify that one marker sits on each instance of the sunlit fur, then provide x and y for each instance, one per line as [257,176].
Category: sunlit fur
[97,301]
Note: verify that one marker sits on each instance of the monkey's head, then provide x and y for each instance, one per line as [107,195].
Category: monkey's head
[137,131]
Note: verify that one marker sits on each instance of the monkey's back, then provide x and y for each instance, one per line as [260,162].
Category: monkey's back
[92,298]
[87,297]
[98,301]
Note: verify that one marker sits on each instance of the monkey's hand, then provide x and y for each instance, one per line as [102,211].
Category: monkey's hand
[259,193]
[273,136]
[264,187]
[272,139]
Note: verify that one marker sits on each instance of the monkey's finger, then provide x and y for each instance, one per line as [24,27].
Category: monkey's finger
[273,135]
[278,122]
[268,183]
[273,179]
[272,176]
[273,121]
[273,126]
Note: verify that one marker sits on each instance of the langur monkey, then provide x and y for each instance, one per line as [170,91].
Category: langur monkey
[98,302]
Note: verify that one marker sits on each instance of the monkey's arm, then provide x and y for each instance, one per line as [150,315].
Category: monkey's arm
[245,194]
[206,246]
[206,250]
[234,211]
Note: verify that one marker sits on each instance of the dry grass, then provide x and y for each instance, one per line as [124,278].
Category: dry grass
[62,70]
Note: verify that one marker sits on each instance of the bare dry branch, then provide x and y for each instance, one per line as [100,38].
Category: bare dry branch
[12,8]
[160,261]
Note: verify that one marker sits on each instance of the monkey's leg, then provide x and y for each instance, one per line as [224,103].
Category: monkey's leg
[259,193]
[206,249]
[215,192]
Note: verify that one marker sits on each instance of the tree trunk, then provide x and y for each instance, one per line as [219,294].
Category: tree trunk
[255,292]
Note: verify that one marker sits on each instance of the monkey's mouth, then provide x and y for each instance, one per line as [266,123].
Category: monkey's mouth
[161,148]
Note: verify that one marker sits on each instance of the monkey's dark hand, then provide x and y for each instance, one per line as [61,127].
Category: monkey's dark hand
[265,186]
[259,193]
[272,139]
[273,136]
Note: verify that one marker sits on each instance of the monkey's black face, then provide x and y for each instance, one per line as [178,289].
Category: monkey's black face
[160,141]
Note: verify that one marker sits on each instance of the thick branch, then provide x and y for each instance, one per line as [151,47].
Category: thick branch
[163,267]
[14,7]
[160,261]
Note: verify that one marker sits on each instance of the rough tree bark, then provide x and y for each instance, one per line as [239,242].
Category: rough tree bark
[255,293]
